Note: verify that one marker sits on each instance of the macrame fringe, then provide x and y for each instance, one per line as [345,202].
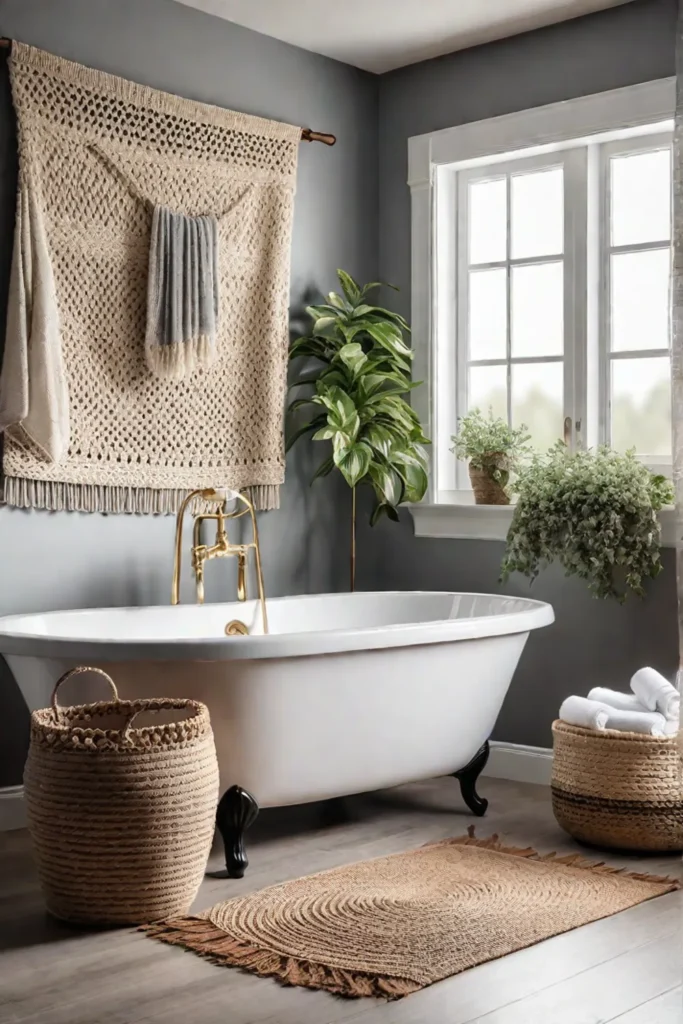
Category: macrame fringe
[200,936]
[56,496]
[180,359]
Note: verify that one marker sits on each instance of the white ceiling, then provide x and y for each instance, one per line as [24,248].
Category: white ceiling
[379,35]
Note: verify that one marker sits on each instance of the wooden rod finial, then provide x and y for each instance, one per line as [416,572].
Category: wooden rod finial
[307,135]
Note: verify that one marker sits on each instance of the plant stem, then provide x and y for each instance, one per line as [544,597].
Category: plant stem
[353,539]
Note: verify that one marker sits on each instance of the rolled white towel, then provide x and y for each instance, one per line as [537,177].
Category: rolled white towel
[591,714]
[656,693]
[649,722]
[588,713]
[615,699]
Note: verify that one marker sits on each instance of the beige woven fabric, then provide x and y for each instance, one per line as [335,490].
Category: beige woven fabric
[618,790]
[121,813]
[99,153]
[389,927]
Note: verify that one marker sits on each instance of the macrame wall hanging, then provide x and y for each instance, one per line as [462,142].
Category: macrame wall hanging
[89,426]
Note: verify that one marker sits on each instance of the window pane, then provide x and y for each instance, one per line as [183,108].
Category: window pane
[641,197]
[537,300]
[641,406]
[640,300]
[488,314]
[488,390]
[537,401]
[488,221]
[538,213]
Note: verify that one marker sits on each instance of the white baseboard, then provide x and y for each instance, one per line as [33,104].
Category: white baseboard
[513,761]
[519,763]
[12,808]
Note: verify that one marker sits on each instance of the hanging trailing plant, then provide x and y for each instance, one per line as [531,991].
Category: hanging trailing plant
[358,371]
[595,512]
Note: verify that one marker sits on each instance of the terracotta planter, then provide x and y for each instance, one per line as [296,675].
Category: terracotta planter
[487,491]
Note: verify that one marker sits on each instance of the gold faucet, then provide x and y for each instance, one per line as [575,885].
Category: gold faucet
[222,548]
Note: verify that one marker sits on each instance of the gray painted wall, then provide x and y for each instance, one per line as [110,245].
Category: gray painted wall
[67,560]
[592,642]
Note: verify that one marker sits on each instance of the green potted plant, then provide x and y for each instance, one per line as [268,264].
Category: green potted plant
[494,450]
[595,512]
[357,369]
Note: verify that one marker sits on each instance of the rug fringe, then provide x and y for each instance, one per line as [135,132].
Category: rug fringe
[574,860]
[200,936]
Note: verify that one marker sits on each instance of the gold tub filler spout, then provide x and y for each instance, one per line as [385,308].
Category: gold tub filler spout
[222,548]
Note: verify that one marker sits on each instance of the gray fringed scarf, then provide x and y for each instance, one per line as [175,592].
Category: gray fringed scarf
[182,294]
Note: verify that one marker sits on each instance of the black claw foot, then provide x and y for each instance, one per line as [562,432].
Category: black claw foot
[237,810]
[467,777]
[335,812]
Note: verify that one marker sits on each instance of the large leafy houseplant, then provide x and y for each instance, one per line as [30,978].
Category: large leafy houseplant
[494,451]
[356,365]
[595,512]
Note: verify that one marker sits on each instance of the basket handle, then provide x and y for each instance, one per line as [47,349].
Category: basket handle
[164,705]
[79,670]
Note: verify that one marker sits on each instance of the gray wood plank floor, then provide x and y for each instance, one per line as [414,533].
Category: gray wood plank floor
[626,969]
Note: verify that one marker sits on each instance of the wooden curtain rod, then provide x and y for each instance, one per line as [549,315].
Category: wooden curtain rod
[307,134]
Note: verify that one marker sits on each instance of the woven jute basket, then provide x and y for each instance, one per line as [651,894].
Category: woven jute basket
[487,491]
[121,818]
[619,790]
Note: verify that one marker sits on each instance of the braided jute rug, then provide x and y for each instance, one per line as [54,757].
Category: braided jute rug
[391,926]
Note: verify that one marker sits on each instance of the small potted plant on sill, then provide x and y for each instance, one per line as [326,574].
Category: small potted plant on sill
[494,450]
[595,512]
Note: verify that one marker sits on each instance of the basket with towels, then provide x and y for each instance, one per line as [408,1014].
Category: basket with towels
[617,777]
[121,812]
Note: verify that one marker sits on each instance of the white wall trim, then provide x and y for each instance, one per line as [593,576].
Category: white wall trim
[519,763]
[546,127]
[465,521]
[12,808]
[513,761]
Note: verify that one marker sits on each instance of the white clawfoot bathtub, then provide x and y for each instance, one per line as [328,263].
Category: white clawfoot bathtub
[347,693]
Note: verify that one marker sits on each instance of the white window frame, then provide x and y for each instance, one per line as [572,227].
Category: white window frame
[560,128]
[620,147]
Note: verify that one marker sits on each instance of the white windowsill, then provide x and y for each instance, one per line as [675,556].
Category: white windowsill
[463,520]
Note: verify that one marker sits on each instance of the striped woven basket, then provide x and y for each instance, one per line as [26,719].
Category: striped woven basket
[121,818]
[618,790]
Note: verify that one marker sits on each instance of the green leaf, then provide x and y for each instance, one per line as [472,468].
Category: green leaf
[379,437]
[370,384]
[325,434]
[342,413]
[387,483]
[389,337]
[307,428]
[415,479]
[299,402]
[322,323]
[353,462]
[372,285]
[325,309]
[336,300]
[307,347]
[325,468]
[350,287]
[353,357]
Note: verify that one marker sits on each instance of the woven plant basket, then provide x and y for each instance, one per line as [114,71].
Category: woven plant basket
[121,818]
[618,790]
[487,491]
